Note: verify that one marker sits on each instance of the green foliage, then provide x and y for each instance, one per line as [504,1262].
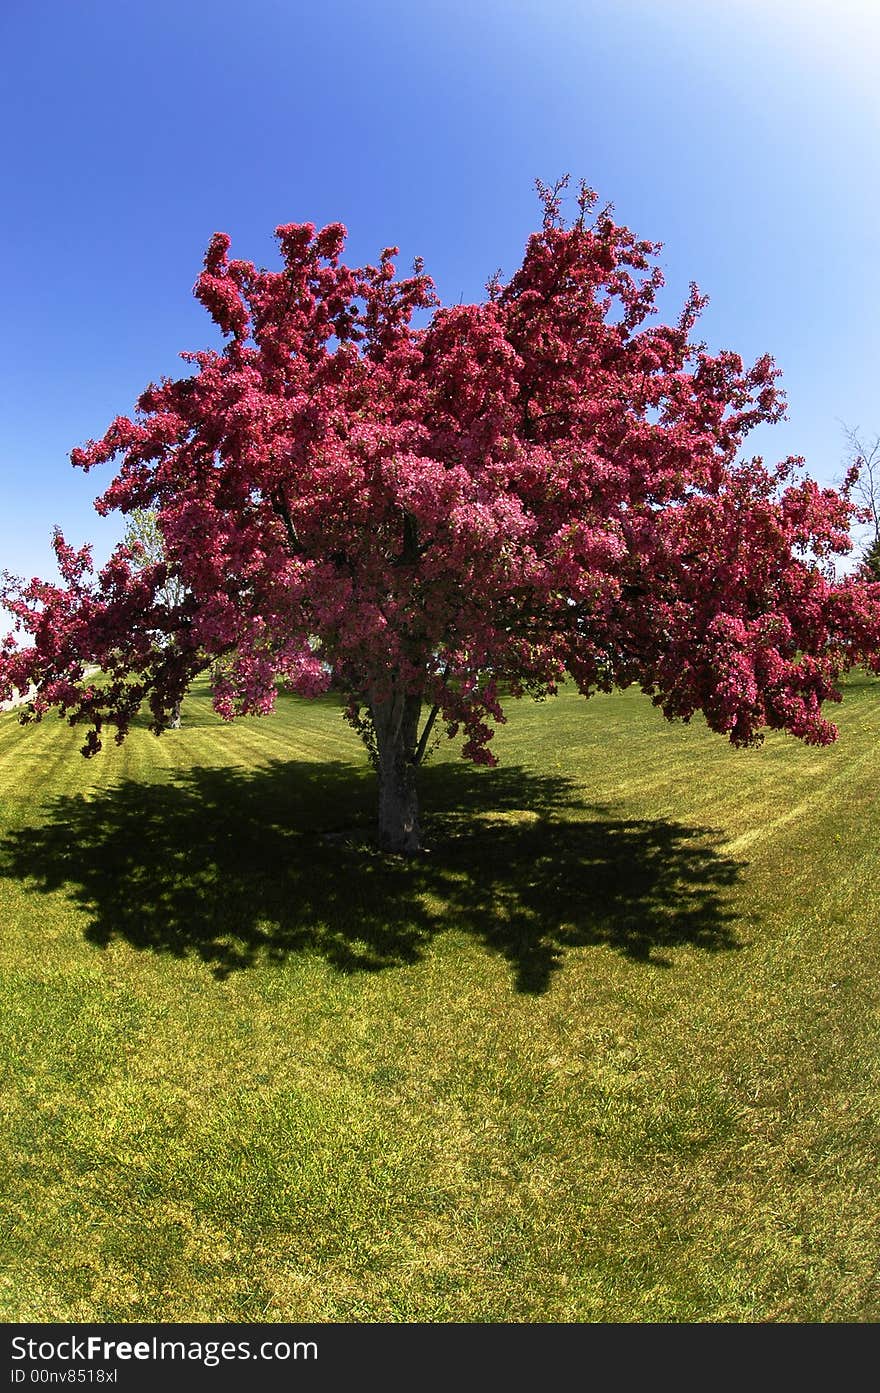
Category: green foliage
[607,1052]
[871,559]
[360,718]
[143,536]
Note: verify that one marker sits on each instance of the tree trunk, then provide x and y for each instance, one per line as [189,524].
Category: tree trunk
[174,723]
[396,723]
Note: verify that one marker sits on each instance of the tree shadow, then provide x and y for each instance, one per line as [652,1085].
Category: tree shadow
[238,866]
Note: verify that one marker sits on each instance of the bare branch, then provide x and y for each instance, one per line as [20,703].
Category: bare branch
[864,451]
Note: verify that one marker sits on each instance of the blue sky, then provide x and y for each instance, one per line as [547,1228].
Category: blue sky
[742,136]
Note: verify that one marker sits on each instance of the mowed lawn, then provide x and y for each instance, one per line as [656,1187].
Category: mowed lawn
[607,1052]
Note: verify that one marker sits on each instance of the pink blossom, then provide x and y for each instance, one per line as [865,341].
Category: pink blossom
[545,483]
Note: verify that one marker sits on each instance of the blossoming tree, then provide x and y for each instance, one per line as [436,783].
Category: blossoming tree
[435,512]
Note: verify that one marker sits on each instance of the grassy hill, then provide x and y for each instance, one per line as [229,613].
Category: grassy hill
[607,1052]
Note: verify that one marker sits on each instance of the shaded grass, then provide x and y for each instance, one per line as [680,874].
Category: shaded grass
[607,1052]
[228,864]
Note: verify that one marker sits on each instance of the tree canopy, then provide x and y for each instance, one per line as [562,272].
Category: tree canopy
[436,508]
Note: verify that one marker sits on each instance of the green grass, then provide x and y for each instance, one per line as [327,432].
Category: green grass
[608,1052]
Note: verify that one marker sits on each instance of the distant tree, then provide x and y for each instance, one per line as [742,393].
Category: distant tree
[863,458]
[144,539]
[871,560]
[433,518]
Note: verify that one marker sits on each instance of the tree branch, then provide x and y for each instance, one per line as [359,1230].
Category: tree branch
[419,752]
[413,551]
[280,508]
